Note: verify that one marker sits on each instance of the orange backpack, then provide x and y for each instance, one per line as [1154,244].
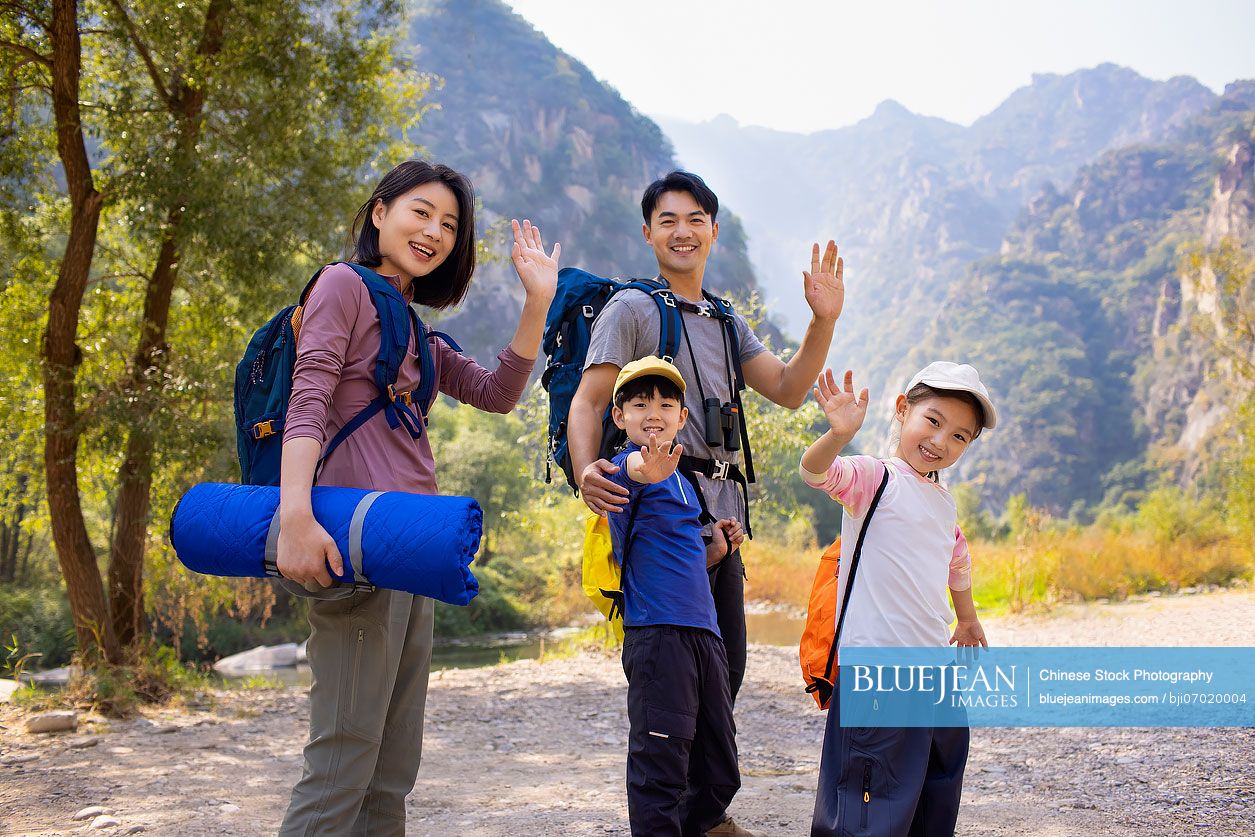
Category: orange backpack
[818,649]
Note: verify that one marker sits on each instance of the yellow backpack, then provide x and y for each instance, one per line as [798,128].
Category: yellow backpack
[603,577]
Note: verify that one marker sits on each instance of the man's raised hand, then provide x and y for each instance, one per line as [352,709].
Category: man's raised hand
[824,283]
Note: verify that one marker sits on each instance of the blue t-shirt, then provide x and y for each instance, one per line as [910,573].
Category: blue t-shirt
[665,582]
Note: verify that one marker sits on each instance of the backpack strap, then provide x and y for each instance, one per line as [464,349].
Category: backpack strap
[717,469]
[726,316]
[428,386]
[397,321]
[618,597]
[849,584]
[670,326]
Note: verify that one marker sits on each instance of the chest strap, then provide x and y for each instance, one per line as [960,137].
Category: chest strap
[718,469]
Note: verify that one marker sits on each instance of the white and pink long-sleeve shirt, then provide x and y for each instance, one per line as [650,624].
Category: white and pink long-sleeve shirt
[913,551]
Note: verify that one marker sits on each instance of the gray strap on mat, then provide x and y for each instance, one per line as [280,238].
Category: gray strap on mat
[355,535]
[272,547]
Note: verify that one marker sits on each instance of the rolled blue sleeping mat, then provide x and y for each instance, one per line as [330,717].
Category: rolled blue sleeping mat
[419,543]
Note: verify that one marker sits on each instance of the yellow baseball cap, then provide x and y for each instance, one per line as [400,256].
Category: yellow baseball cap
[650,365]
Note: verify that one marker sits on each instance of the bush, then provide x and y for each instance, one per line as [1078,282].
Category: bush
[41,622]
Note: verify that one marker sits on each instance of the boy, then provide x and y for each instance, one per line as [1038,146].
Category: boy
[682,769]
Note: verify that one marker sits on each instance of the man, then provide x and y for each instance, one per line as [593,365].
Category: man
[680,213]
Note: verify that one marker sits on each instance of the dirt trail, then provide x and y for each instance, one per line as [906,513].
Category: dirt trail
[537,748]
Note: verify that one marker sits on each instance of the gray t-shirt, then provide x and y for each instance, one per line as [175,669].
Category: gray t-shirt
[627,329]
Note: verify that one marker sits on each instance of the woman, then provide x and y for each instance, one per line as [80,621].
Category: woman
[370,652]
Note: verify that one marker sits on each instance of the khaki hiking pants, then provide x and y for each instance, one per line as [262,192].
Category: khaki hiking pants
[371,655]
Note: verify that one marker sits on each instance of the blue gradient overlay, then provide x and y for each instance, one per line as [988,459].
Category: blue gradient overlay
[1047,687]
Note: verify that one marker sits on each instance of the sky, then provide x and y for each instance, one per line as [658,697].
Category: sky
[806,66]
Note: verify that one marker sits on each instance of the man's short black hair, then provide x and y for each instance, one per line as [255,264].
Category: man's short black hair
[648,385]
[680,181]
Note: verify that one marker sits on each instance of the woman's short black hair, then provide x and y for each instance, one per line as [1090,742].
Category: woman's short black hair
[648,385]
[680,181]
[448,283]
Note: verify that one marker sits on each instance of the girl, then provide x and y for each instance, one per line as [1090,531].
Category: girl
[898,780]
[370,652]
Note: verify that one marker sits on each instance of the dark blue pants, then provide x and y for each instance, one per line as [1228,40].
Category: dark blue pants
[727,584]
[888,780]
[681,766]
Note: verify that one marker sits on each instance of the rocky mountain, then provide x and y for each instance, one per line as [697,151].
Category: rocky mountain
[913,200]
[1085,325]
[542,138]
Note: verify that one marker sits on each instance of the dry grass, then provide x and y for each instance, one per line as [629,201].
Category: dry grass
[780,569]
[1099,563]
[1044,568]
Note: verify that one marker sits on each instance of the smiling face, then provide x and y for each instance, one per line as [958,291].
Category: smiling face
[681,234]
[936,431]
[642,414]
[417,230]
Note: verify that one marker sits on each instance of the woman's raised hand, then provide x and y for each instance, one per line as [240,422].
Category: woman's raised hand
[844,410]
[537,271]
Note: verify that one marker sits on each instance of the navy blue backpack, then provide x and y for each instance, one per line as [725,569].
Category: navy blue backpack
[263,379]
[568,327]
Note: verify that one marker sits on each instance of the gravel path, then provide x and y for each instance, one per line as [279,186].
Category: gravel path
[537,748]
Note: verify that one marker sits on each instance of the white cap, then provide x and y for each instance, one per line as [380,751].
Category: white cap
[956,377]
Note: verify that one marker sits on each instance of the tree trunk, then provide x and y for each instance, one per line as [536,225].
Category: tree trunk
[126,554]
[61,355]
[130,534]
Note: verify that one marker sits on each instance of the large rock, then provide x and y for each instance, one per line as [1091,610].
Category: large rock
[53,678]
[7,688]
[261,658]
[91,812]
[52,722]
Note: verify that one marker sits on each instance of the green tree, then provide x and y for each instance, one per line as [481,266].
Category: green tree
[207,152]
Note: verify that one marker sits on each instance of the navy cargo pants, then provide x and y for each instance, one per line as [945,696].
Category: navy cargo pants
[681,767]
[888,781]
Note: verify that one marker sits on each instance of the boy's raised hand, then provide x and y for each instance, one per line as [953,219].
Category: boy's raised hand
[844,410]
[658,460]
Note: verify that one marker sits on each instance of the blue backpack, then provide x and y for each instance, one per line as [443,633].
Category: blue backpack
[263,379]
[568,327]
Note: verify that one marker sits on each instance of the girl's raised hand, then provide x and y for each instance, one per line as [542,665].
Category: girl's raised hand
[844,410]
[538,272]
[659,461]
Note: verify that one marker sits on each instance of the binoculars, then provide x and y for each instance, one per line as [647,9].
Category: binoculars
[723,424]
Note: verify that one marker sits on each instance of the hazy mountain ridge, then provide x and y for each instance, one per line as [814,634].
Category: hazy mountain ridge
[1082,325]
[914,199]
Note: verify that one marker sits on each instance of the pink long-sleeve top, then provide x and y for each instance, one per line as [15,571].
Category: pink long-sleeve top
[334,379]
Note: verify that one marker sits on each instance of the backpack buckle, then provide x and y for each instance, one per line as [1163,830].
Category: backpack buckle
[588,311]
[262,429]
[668,299]
[668,359]
[706,312]
[405,397]
[719,471]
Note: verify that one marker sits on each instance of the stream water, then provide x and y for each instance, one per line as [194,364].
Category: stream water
[762,627]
